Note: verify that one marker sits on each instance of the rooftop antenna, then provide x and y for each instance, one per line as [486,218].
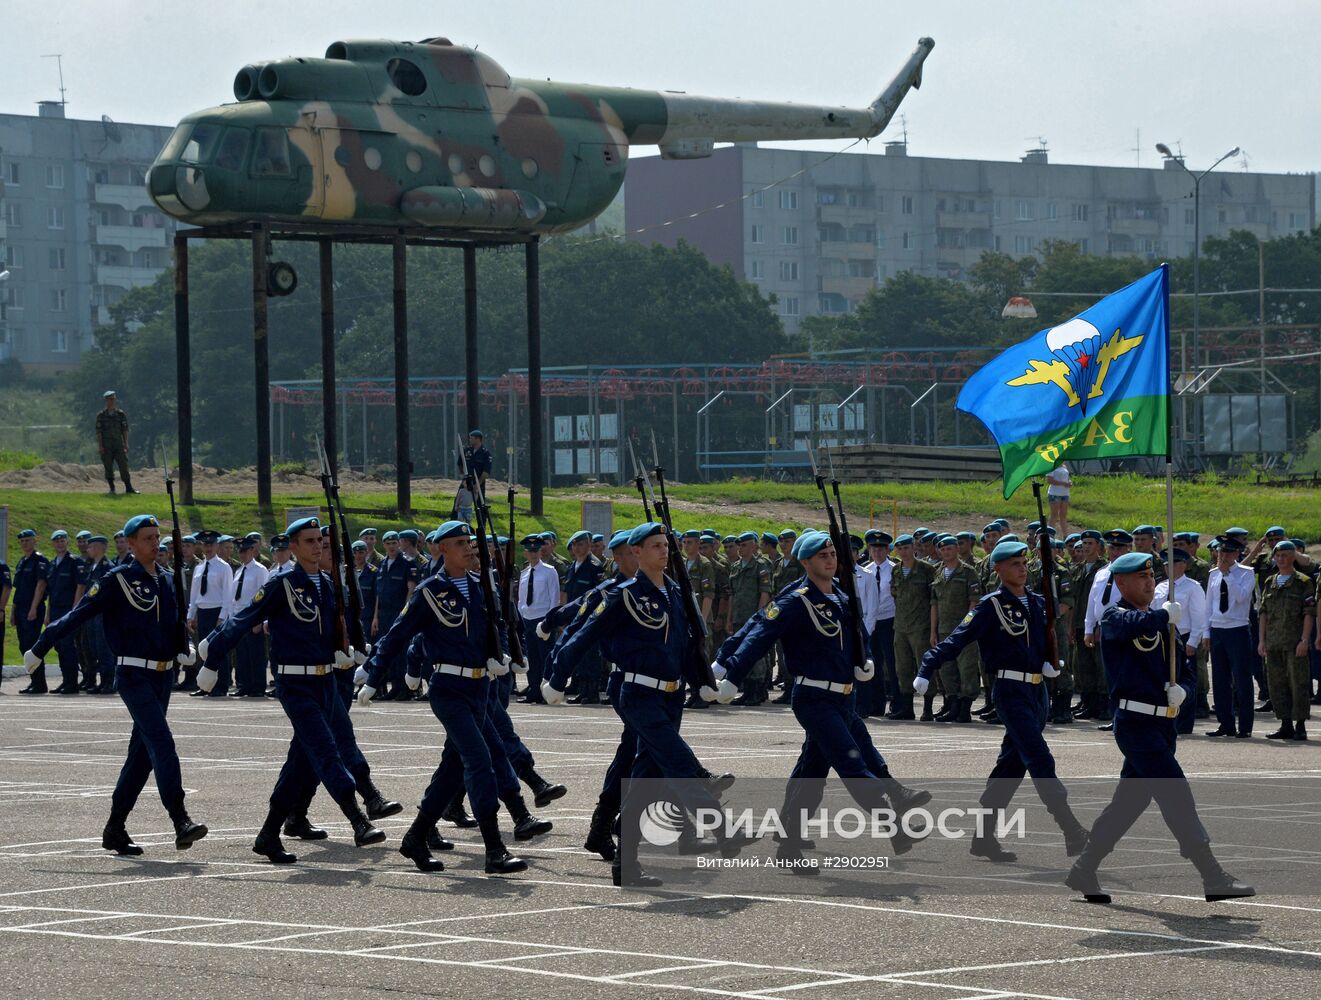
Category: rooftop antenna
[59,63]
[903,129]
[1137,150]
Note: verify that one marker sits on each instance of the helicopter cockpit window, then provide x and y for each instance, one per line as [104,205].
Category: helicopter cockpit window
[177,137]
[271,158]
[407,77]
[199,145]
[233,148]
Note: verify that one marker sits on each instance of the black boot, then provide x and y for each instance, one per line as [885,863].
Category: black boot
[526,826]
[789,858]
[928,700]
[1299,732]
[378,806]
[186,832]
[414,845]
[964,714]
[543,792]
[268,840]
[1217,883]
[1285,732]
[599,839]
[634,878]
[985,845]
[1082,878]
[1075,839]
[903,799]
[436,842]
[363,831]
[717,784]
[300,827]
[115,838]
[905,709]
[456,814]
[498,859]
[946,712]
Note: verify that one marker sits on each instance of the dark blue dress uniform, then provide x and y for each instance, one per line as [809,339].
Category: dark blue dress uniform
[300,614]
[6,582]
[578,579]
[95,631]
[367,588]
[452,628]
[1012,640]
[30,571]
[63,578]
[137,609]
[813,629]
[392,580]
[1133,645]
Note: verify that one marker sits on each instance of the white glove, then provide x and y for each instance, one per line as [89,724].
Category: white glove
[343,659]
[542,634]
[518,668]
[552,695]
[707,693]
[359,657]
[865,672]
[718,670]
[497,668]
[1048,671]
[726,691]
[365,695]
[920,685]
[1174,694]
[206,679]
[1175,610]
[32,661]
[413,682]
[188,658]
[360,676]
[202,647]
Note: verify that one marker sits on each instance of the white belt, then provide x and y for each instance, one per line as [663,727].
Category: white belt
[1018,675]
[651,682]
[1142,708]
[472,673]
[134,661]
[303,670]
[826,685]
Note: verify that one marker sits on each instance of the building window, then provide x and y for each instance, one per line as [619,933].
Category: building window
[59,341]
[789,199]
[789,235]
[13,297]
[55,175]
[1050,211]
[12,174]
[1022,244]
[1023,211]
[906,204]
[862,268]
[57,258]
[996,208]
[1222,216]
[756,270]
[758,234]
[58,300]
[758,199]
[1080,212]
[1297,221]
[13,257]
[791,305]
[1188,217]
[1082,245]
[13,214]
[997,239]
[862,234]
[788,270]
[907,241]
[54,217]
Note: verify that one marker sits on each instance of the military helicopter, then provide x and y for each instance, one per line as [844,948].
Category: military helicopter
[433,134]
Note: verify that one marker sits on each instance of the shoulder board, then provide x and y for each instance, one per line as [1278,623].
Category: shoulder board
[631,581]
[1302,576]
[800,590]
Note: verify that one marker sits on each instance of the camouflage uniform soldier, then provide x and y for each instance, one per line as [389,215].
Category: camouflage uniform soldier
[1286,611]
[1087,673]
[954,593]
[784,571]
[112,443]
[707,545]
[914,620]
[1144,541]
[750,590]
[702,575]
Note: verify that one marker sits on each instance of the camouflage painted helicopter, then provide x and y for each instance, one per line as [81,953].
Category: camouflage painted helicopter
[388,133]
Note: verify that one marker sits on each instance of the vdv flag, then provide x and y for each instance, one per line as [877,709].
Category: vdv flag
[1096,386]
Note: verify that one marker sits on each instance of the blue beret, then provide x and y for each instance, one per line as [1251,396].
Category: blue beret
[904,540]
[729,538]
[878,537]
[1070,539]
[710,533]
[788,533]
[598,538]
[1144,529]
[1186,536]
[410,534]
[691,533]
[1007,550]
[1055,543]
[84,535]
[1050,532]
[1091,533]
[1298,543]
[303,524]
[921,533]
[1275,530]
[475,434]
[93,539]
[966,536]
[1284,545]
[747,536]
[811,543]
[139,521]
[58,533]
[644,531]
[550,536]
[27,533]
[618,538]
[1033,525]
[254,535]
[367,531]
[1002,522]
[193,538]
[325,532]
[1237,532]
[390,536]
[531,543]
[226,538]
[944,540]
[766,536]
[1130,562]
[580,536]
[359,546]
[107,394]
[1009,537]
[120,533]
[452,529]
[993,526]
[431,537]
[1118,536]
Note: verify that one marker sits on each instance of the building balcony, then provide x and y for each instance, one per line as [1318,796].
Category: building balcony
[1135,227]
[123,276]
[131,238]
[963,220]
[129,197]
[841,250]
[850,288]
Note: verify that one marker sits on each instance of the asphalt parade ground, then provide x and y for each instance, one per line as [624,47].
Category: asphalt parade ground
[76,921]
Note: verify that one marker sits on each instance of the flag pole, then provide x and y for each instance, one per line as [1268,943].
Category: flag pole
[1169,469]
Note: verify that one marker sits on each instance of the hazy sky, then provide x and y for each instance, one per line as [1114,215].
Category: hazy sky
[1211,74]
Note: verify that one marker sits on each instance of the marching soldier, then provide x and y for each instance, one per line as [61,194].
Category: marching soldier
[60,588]
[955,592]
[1286,610]
[103,658]
[396,579]
[112,443]
[580,576]
[1133,638]
[914,620]
[136,605]
[749,592]
[1103,594]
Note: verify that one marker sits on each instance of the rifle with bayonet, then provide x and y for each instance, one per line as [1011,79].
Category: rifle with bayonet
[637,481]
[176,553]
[493,651]
[508,570]
[341,636]
[1047,579]
[839,534]
[353,609]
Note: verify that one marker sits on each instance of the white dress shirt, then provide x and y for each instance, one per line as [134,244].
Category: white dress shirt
[1242,583]
[538,591]
[874,593]
[1190,595]
[249,579]
[219,587]
[281,568]
[1098,600]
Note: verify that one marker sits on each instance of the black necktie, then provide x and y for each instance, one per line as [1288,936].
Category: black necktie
[1105,594]
[1224,596]
[206,568]
[238,587]
[527,590]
